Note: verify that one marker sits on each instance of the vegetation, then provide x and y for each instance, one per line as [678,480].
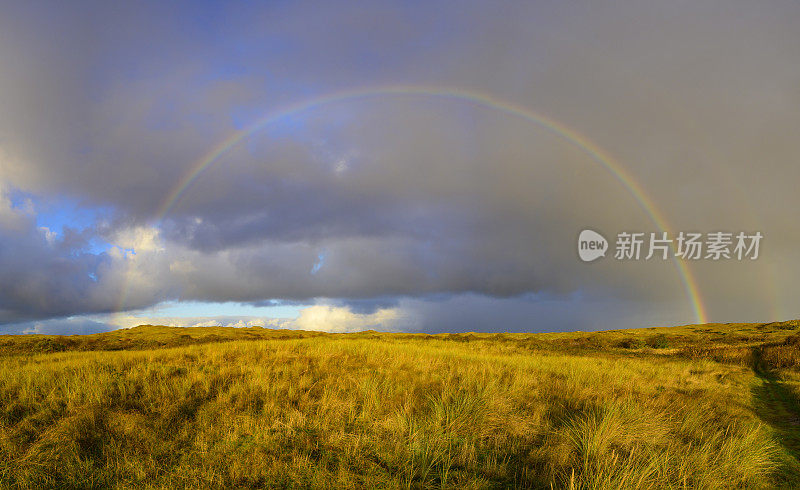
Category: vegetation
[707,406]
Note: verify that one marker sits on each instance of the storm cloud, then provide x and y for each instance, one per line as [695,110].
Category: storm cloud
[449,213]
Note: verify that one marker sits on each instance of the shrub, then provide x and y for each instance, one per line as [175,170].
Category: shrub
[632,343]
[793,340]
[658,341]
[781,356]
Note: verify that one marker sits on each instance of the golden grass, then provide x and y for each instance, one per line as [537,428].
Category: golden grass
[262,408]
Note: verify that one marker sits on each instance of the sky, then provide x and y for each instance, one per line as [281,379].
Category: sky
[397,166]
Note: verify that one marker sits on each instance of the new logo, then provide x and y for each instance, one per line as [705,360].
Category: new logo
[591,245]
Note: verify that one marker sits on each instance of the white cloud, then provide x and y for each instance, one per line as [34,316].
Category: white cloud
[320,318]
[340,319]
[139,239]
[49,235]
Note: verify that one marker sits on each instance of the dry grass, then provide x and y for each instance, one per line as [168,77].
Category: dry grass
[622,409]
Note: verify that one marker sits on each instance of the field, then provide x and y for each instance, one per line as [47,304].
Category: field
[707,406]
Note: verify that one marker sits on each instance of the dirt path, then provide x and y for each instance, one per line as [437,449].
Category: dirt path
[778,406]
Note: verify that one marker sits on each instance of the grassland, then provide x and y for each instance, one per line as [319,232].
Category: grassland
[709,406]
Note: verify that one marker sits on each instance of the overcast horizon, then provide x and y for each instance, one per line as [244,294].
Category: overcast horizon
[397,166]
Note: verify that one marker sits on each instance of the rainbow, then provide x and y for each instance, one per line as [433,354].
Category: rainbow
[479,99]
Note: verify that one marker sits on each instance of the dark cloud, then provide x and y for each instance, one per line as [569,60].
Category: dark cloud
[41,275]
[534,313]
[395,198]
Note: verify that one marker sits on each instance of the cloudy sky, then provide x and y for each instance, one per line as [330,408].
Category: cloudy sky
[416,166]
